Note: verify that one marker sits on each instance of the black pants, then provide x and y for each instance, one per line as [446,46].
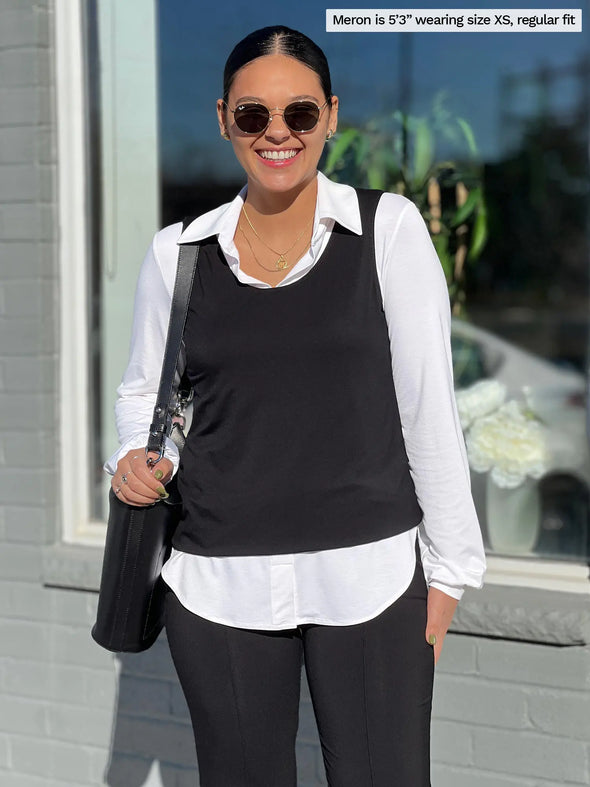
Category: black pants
[370,685]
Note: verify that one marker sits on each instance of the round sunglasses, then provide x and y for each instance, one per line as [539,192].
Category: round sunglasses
[299,116]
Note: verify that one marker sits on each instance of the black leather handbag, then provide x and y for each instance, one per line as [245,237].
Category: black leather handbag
[130,612]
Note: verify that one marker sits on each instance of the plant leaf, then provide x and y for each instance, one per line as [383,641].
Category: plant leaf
[479,235]
[470,204]
[469,136]
[339,147]
[423,152]
[362,149]
[441,245]
[375,177]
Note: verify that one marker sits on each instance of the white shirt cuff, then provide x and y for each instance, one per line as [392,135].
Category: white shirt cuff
[454,592]
[138,441]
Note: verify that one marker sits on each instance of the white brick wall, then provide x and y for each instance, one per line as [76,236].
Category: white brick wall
[512,713]
[507,714]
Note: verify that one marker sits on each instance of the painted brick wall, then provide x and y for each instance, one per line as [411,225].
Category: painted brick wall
[511,713]
[507,714]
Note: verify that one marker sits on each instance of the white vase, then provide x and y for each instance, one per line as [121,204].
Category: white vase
[513,517]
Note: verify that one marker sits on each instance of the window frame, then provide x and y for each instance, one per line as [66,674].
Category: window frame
[562,576]
[73,257]
[75,195]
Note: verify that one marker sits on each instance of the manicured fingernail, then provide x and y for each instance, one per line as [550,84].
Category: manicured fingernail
[432,639]
[162,492]
[158,474]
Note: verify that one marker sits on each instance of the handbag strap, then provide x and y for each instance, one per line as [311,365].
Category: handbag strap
[185,274]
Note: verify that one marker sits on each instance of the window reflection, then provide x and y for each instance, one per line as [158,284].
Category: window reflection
[531,289]
[525,304]
[526,295]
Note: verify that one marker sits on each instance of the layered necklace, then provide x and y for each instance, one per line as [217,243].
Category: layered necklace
[281,261]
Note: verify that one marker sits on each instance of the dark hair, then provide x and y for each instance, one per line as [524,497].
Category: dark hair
[277,40]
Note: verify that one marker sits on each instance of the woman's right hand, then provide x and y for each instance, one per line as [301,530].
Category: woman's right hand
[139,484]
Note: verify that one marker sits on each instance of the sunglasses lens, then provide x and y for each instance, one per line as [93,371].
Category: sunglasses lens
[302,116]
[299,116]
[251,118]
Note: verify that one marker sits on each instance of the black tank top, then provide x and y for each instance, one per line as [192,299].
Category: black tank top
[296,442]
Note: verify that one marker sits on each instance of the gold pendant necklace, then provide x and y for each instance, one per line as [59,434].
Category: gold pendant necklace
[281,262]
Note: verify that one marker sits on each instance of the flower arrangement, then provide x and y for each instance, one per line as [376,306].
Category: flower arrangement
[504,438]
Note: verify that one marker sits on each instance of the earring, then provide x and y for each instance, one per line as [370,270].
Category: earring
[225,135]
[330,134]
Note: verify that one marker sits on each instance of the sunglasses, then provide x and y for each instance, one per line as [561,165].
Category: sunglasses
[300,116]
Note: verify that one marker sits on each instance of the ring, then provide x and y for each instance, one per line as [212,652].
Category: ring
[123,479]
[117,490]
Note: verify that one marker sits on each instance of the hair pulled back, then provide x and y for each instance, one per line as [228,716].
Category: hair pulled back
[277,40]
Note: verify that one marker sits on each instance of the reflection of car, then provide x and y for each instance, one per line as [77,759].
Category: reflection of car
[478,353]
[557,397]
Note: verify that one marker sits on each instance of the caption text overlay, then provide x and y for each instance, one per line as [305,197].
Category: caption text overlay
[454,20]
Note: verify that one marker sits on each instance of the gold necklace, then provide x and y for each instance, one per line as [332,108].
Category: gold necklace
[273,270]
[281,262]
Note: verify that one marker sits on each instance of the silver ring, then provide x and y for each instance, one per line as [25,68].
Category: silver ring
[123,479]
[117,490]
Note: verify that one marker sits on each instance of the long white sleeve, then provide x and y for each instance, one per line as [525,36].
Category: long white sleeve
[136,396]
[416,304]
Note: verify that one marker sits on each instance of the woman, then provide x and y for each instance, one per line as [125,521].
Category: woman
[327,507]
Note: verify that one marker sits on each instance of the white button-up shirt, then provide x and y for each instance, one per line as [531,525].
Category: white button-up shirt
[346,585]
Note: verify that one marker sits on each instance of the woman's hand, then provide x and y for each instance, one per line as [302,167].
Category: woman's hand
[137,483]
[441,608]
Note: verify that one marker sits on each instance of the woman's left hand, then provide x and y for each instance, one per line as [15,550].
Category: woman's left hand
[441,608]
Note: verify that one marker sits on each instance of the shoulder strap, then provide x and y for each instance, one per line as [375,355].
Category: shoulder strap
[185,274]
[368,202]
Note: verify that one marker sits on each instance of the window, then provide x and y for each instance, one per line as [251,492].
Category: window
[109,207]
[526,101]
[526,295]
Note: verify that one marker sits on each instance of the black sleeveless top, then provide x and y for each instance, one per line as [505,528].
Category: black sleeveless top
[296,442]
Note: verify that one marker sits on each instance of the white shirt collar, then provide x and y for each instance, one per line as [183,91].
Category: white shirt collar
[335,201]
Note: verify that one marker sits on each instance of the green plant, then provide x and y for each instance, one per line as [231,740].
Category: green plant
[398,153]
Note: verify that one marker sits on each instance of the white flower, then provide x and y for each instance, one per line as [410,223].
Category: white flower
[478,400]
[509,444]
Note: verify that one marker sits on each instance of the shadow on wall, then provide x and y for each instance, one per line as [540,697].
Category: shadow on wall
[152,743]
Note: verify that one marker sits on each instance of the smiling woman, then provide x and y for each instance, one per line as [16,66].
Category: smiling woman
[325,487]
